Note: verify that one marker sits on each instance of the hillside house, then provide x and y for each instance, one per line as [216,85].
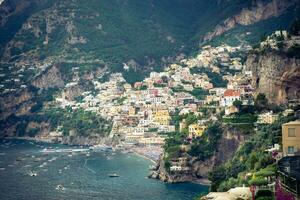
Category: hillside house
[267,118]
[196,130]
[229,97]
[291,138]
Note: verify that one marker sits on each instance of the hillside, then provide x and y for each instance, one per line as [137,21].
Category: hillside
[146,35]
[47,45]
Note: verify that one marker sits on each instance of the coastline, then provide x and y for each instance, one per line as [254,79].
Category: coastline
[49,141]
[137,151]
[145,157]
[202,181]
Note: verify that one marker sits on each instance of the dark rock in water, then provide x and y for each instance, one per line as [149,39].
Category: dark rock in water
[153,175]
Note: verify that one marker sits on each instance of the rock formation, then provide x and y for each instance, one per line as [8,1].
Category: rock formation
[275,75]
[250,16]
[231,139]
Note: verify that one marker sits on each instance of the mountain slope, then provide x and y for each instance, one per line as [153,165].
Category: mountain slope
[144,34]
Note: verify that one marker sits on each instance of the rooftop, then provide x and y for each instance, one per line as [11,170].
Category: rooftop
[297,122]
[230,93]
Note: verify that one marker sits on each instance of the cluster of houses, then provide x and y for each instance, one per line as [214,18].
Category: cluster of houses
[142,113]
[214,57]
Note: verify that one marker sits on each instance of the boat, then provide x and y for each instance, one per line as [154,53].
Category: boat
[32,173]
[60,187]
[113,175]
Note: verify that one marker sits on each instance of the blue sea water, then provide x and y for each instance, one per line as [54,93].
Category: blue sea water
[84,176]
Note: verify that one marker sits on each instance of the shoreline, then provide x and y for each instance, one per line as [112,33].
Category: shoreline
[48,141]
[202,181]
[145,157]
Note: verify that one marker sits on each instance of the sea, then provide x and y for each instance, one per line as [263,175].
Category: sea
[36,171]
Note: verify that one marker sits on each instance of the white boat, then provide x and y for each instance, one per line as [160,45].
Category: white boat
[32,173]
[113,175]
[60,187]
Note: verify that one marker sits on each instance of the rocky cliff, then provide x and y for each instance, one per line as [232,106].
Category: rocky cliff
[49,78]
[231,139]
[276,75]
[260,11]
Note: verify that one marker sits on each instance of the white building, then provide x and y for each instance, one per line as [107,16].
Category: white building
[229,97]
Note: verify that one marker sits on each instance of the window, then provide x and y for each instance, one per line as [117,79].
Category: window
[291,132]
[291,150]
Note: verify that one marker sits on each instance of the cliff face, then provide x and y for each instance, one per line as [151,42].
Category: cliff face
[10,8]
[260,11]
[12,103]
[227,146]
[275,75]
[50,78]
[21,102]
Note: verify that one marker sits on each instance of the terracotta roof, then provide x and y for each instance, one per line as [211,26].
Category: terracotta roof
[231,93]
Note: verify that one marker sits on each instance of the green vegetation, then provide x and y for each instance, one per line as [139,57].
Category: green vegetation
[81,122]
[216,78]
[295,27]
[241,118]
[264,195]
[159,85]
[253,34]
[178,89]
[121,100]
[204,147]
[261,102]
[250,158]
[149,32]
[294,51]
[199,93]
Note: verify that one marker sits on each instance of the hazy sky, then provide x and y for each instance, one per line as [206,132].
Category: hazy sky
[1,1]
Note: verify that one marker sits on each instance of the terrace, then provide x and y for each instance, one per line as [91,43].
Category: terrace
[289,174]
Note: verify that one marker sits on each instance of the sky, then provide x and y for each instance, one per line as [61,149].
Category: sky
[1,1]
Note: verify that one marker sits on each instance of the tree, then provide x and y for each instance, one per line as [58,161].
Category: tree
[238,104]
[295,28]
[191,118]
[261,102]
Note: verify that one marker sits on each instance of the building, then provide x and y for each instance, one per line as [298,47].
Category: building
[231,110]
[162,117]
[131,111]
[229,97]
[291,138]
[289,176]
[267,118]
[196,130]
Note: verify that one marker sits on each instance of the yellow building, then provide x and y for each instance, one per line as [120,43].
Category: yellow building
[267,118]
[291,138]
[196,130]
[131,110]
[162,117]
